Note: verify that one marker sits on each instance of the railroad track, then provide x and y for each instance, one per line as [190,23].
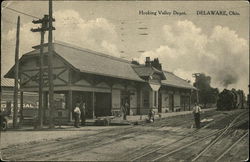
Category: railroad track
[155,148]
[160,156]
[232,146]
[195,132]
[41,148]
[231,125]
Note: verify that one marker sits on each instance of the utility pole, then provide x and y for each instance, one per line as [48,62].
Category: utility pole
[16,75]
[196,75]
[42,30]
[50,66]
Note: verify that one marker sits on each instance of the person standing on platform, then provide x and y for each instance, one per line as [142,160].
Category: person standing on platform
[83,114]
[196,112]
[77,114]
[126,105]
[151,115]
[124,112]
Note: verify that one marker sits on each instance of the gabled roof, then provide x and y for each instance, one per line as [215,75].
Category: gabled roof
[145,71]
[175,81]
[92,62]
[96,63]
[88,61]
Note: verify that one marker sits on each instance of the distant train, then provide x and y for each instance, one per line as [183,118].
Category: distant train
[231,99]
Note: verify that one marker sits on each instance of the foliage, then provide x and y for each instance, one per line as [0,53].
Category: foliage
[207,94]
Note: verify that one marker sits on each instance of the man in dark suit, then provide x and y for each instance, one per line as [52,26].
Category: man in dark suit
[83,114]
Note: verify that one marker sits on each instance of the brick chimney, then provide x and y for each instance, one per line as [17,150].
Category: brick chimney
[147,62]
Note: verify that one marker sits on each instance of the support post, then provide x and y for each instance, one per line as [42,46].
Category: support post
[111,104]
[45,105]
[16,75]
[70,105]
[138,100]
[184,98]
[156,99]
[50,66]
[21,107]
[40,111]
[190,99]
[197,97]
[93,104]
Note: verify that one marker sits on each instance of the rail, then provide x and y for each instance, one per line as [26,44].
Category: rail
[220,132]
[235,143]
[218,137]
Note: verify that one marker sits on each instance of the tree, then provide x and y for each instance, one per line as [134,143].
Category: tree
[207,94]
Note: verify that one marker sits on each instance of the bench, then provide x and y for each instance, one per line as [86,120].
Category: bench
[103,121]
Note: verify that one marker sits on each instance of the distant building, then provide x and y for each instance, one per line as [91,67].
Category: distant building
[103,82]
[7,94]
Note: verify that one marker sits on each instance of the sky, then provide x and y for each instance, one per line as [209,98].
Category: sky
[185,44]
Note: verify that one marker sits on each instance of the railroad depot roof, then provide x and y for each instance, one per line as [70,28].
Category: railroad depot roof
[88,61]
[175,81]
[97,63]
[7,82]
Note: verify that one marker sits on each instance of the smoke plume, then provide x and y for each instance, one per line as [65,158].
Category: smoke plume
[223,55]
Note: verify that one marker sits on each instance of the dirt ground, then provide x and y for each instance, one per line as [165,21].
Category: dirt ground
[129,143]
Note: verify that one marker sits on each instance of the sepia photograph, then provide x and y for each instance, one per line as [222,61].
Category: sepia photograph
[124,81]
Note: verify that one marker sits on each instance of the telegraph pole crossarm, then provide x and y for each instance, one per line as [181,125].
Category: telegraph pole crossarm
[40,108]
[42,30]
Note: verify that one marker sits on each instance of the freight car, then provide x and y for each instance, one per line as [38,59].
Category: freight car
[230,99]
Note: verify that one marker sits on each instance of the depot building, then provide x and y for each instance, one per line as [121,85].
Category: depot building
[103,82]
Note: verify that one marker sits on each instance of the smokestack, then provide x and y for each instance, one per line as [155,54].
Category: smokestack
[147,62]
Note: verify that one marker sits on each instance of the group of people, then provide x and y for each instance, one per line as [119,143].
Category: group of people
[80,113]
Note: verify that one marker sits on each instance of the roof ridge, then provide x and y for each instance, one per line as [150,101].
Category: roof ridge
[91,51]
[156,69]
[178,77]
[168,71]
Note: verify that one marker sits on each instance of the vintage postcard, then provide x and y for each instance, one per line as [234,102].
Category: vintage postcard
[124,80]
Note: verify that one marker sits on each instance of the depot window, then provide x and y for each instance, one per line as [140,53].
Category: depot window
[59,100]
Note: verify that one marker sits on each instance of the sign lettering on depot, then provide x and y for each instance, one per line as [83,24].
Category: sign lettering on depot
[25,105]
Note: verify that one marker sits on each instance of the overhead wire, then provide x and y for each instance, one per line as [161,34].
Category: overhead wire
[26,14]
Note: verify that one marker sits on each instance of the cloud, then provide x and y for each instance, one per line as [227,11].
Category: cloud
[8,45]
[223,54]
[96,34]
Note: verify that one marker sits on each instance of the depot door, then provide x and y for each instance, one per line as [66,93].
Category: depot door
[102,104]
[159,103]
[171,102]
[125,97]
